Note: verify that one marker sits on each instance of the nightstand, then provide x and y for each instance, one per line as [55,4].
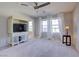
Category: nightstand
[66,39]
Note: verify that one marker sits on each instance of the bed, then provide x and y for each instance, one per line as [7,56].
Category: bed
[39,48]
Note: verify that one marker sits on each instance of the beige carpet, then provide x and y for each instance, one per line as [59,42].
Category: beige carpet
[40,48]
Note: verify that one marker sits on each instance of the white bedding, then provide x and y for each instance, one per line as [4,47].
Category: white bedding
[39,48]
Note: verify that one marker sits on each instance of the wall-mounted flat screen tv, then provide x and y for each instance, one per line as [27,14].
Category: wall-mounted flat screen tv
[20,27]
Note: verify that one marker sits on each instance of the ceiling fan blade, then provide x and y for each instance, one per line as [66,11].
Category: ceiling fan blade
[45,4]
[36,3]
[24,4]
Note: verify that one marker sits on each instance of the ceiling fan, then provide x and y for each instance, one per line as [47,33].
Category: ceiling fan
[37,6]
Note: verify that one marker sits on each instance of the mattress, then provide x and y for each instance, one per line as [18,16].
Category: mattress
[40,48]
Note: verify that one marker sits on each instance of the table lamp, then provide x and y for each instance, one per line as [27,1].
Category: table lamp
[67,28]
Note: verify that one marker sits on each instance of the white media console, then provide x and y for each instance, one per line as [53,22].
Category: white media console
[16,38]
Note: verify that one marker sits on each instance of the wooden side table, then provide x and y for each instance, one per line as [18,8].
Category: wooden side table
[66,39]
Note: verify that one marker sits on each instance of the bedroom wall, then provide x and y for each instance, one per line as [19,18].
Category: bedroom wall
[68,20]
[4,14]
[36,28]
[76,26]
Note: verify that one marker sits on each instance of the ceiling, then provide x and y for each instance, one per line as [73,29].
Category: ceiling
[52,8]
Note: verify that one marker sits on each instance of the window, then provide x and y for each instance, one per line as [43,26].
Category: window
[30,27]
[51,25]
[44,26]
[55,26]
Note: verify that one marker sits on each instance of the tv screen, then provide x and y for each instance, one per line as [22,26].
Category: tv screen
[19,27]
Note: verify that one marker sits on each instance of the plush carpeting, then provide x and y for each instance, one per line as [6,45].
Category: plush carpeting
[40,48]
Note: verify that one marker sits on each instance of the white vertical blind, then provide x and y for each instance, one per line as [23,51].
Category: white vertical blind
[44,26]
[55,26]
[30,26]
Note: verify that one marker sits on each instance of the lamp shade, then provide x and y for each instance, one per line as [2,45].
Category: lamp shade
[66,27]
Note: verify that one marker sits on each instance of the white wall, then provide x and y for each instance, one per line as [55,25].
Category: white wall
[36,28]
[76,27]
[68,20]
[3,31]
